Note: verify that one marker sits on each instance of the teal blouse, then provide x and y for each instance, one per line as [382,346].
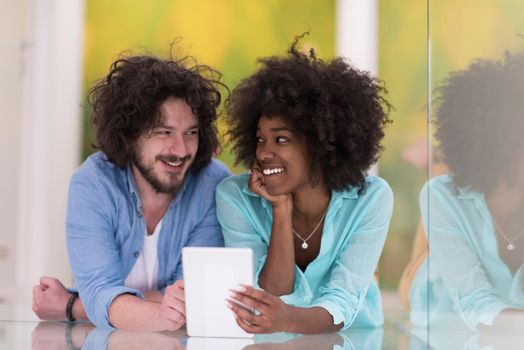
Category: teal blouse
[464,281]
[340,279]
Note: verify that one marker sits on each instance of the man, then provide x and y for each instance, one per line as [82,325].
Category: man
[150,191]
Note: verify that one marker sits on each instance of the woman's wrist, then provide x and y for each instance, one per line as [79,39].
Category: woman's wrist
[283,205]
[291,323]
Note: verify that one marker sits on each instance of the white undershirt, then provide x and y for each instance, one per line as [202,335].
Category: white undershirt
[143,275]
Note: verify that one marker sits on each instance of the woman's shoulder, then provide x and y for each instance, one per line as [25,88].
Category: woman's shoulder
[376,186]
[375,190]
[376,182]
[233,185]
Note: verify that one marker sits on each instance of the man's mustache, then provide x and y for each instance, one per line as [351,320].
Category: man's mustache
[173,159]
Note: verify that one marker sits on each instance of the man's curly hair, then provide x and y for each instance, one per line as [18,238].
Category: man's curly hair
[479,122]
[126,103]
[338,111]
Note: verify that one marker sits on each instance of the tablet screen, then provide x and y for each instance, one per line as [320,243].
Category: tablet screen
[209,276]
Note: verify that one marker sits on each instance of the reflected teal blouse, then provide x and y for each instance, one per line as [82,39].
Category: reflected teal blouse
[340,279]
[464,281]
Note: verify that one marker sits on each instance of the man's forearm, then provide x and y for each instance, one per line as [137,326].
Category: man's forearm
[153,295]
[128,312]
[79,312]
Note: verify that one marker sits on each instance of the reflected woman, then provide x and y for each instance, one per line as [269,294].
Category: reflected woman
[308,129]
[474,215]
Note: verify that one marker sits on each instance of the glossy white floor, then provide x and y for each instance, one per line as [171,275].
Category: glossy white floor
[52,335]
[20,329]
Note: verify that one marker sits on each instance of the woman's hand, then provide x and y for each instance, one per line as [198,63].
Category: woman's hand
[256,185]
[270,313]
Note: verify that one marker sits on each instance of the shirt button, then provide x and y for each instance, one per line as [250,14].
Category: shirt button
[139,214]
[136,254]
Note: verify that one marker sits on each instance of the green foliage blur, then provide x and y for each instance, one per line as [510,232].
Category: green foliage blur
[226,34]
[231,34]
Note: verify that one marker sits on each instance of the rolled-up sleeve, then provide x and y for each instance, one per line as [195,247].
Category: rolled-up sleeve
[93,250]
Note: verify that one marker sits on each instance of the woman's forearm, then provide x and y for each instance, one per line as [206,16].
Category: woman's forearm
[312,320]
[278,274]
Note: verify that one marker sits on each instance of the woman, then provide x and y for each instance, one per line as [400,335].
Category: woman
[309,130]
[474,215]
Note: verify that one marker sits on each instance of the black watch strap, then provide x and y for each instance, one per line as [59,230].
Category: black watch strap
[69,307]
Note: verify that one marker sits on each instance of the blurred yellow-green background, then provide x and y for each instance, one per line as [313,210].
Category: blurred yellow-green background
[231,34]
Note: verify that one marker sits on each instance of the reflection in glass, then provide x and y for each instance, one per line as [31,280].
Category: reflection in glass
[103,338]
[474,215]
[60,335]
[357,338]
[194,343]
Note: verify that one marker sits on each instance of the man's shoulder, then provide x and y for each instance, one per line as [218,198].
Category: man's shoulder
[212,173]
[97,170]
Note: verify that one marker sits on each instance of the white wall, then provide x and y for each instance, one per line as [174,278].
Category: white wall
[357,36]
[357,32]
[11,46]
[41,89]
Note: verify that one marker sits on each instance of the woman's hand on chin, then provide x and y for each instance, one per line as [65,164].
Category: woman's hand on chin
[256,185]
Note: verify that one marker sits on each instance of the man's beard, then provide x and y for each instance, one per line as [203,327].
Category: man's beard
[175,182]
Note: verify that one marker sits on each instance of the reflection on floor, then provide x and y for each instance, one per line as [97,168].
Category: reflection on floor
[19,329]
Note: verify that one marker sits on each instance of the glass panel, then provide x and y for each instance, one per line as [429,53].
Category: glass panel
[473,205]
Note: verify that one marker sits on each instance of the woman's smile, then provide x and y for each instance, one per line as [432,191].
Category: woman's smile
[282,156]
[272,171]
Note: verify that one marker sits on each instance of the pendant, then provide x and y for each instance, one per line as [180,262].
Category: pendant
[305,245]
[510,246]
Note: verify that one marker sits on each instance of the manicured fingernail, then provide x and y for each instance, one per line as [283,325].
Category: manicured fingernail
[233,294]
[241,288]
[228,304]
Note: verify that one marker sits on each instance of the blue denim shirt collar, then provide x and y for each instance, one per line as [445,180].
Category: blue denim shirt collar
[133,190]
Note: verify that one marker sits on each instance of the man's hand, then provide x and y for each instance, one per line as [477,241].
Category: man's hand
[50,299]
[271,313]
[173,308]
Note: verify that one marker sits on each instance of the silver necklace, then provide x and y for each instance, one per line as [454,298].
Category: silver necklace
[510,245]
[304,241]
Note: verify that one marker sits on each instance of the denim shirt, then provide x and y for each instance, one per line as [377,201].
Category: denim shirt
[340,279]
[105,229]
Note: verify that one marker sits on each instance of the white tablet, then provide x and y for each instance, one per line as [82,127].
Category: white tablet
[209,275]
